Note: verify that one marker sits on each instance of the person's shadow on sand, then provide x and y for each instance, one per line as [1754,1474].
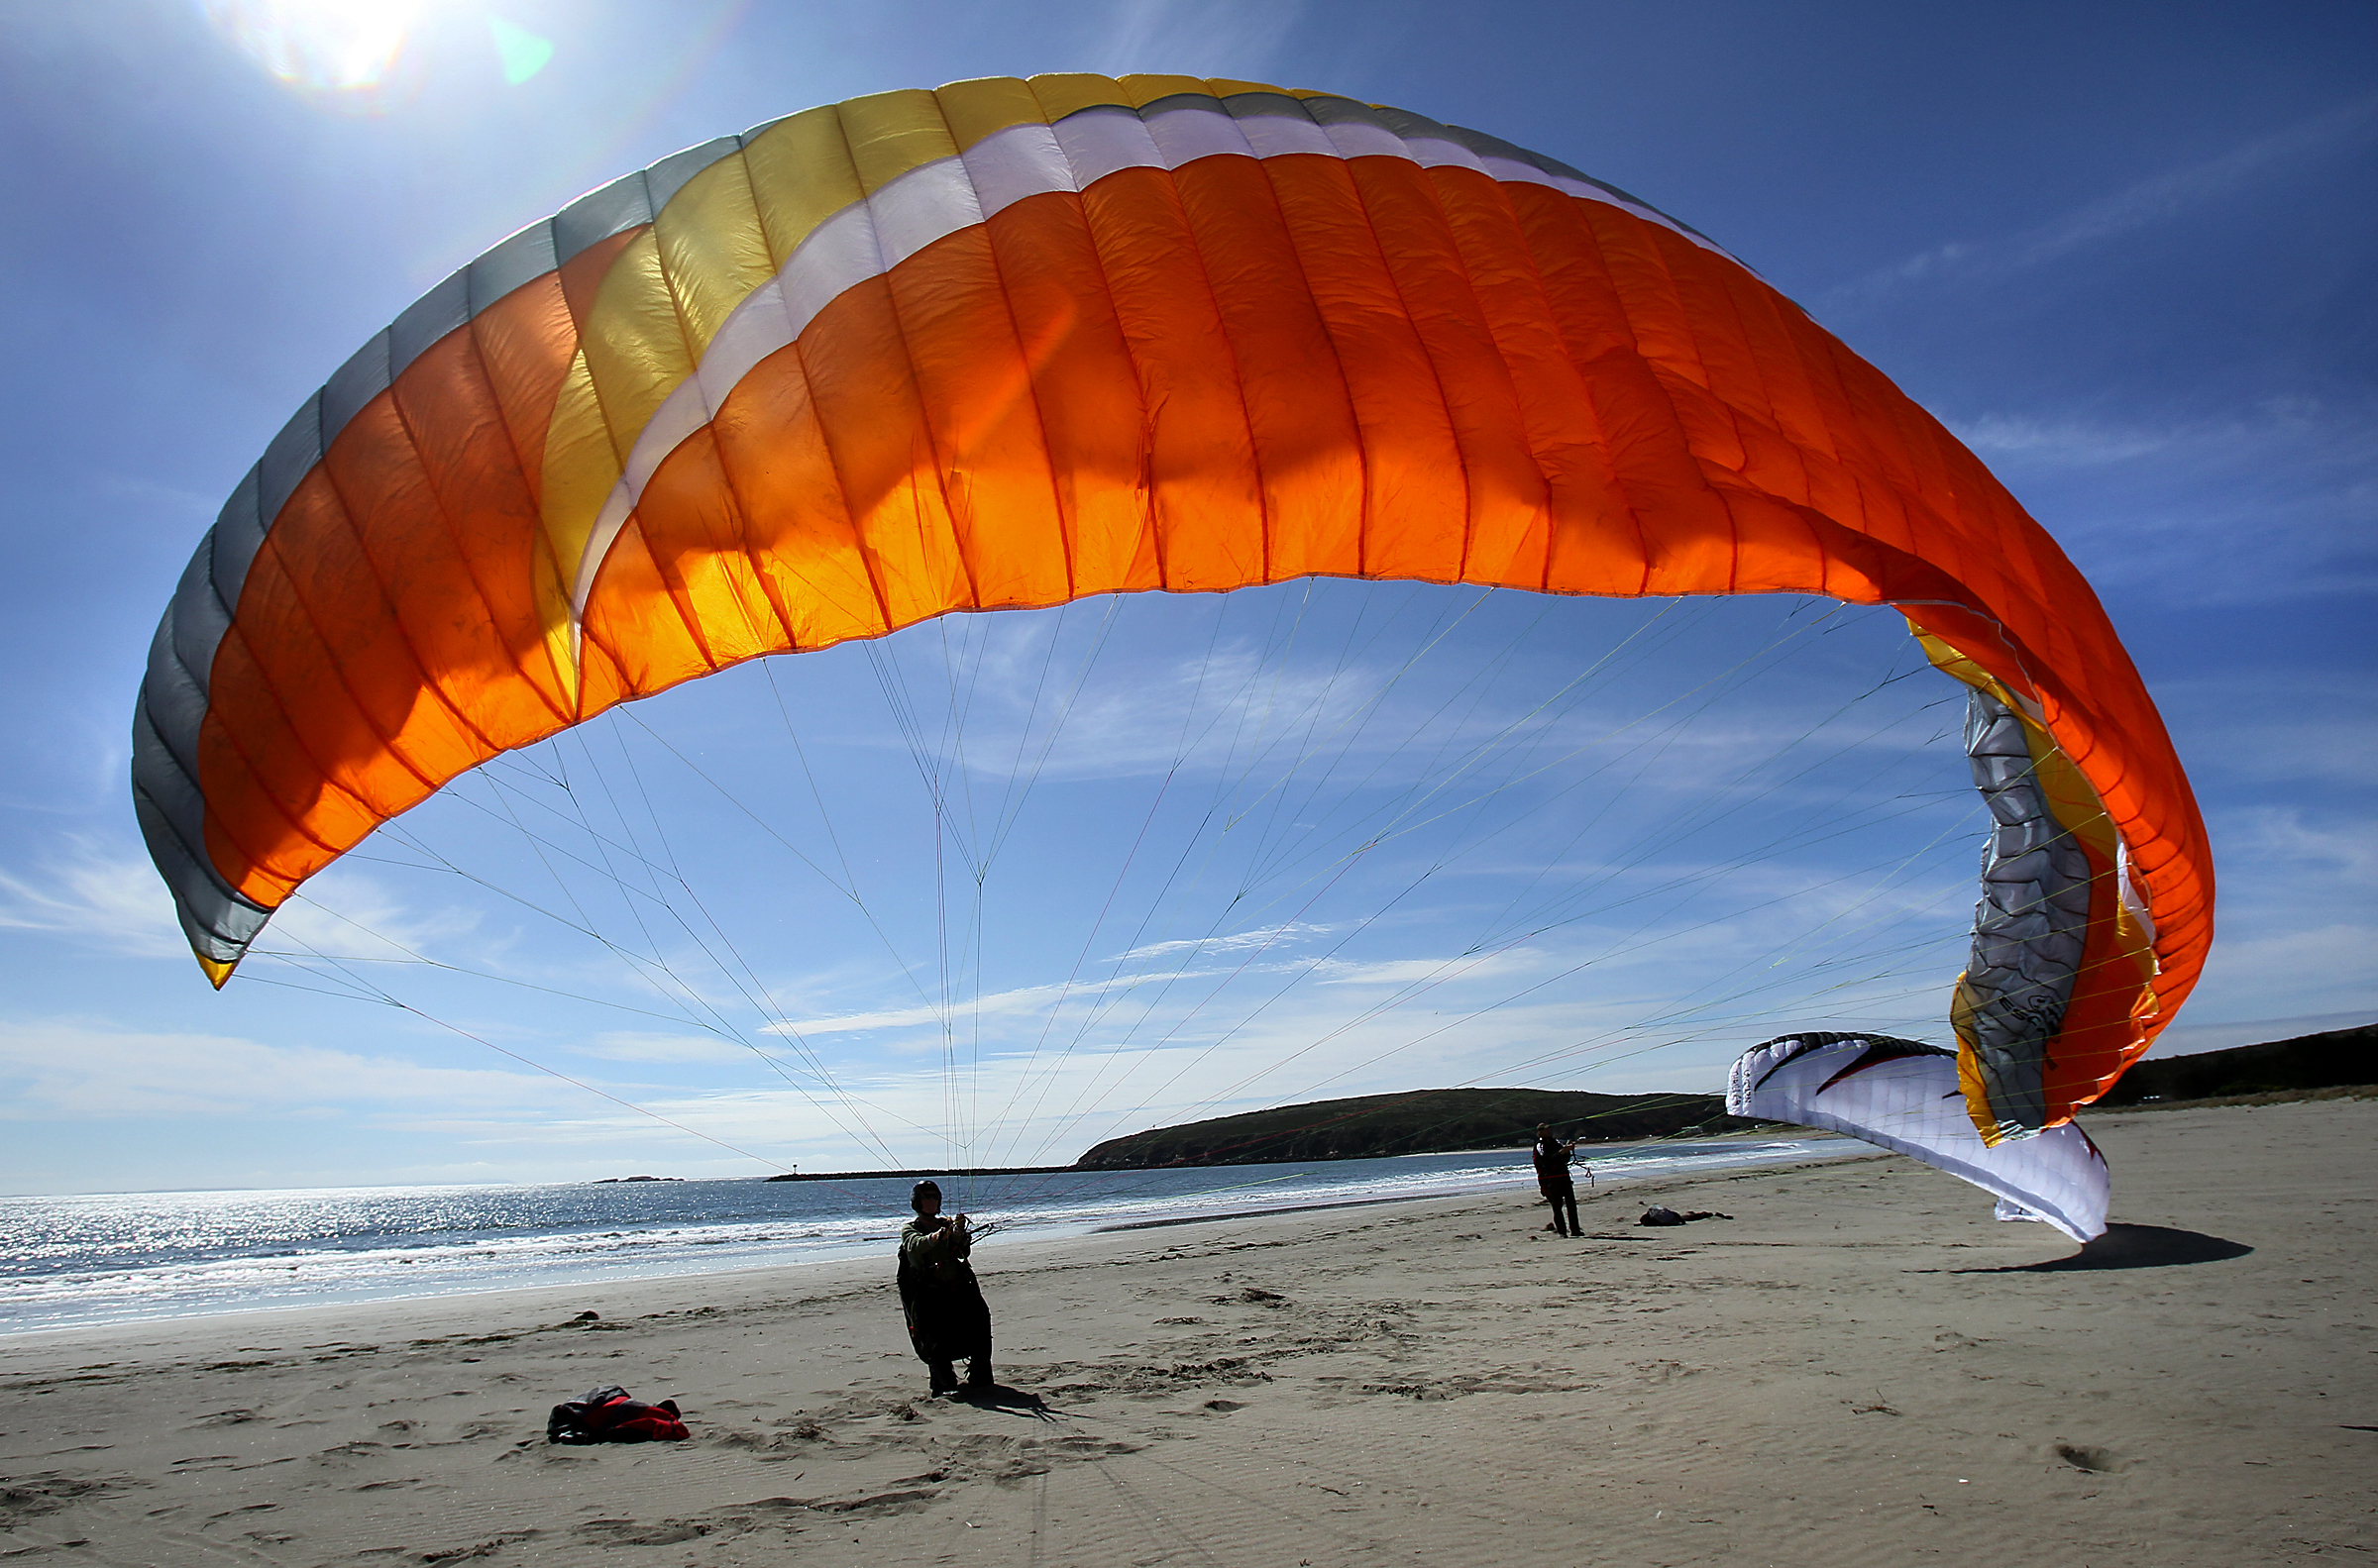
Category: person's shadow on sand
[999,1397]
[2132,1247]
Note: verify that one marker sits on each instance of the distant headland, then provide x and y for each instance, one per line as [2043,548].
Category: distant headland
[1423,1121]
[2336,1060]
[1453,1120]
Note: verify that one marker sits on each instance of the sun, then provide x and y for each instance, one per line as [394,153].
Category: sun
[323,49]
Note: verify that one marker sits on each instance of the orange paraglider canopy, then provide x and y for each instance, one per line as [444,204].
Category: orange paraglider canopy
[1013,343]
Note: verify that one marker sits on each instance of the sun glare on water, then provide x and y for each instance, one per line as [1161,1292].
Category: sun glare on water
[359,55]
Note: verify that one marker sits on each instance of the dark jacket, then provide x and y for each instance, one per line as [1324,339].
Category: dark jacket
[948,1320]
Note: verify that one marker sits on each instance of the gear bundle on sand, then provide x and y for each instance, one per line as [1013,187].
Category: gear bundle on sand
[610,1415]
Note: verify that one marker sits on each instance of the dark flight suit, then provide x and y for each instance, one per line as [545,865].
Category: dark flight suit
[1560,1190]
[944,1307]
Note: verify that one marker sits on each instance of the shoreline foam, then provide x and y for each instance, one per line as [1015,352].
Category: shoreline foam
[525,1237]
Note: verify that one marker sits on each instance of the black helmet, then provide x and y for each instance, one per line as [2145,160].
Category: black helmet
[923,1191]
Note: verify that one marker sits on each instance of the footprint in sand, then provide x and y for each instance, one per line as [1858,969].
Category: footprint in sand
[630,1532]
[33,1496]
[2082,1456]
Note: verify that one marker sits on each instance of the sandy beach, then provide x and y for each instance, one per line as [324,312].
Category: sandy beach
[1858,1366]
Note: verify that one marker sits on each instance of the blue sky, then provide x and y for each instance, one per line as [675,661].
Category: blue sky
[1301,842]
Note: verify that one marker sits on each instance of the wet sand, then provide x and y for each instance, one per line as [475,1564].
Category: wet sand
[1859,1367]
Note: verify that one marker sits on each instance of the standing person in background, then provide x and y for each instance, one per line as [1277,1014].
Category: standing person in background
[947,1317]
[1554,1181]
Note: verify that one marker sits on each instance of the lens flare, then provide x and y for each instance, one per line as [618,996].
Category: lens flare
[342,53]
[521,51]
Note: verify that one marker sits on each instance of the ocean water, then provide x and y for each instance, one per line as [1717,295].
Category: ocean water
[123,1257]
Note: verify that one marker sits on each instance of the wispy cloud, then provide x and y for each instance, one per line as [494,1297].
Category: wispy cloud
[1678,998]
[2284,727]
[1465,967]
[96,895]
[991,1005]
[348,912]
[662,1049]
[2343,851]
[73,1068]
[2065,442]
[1220,37]
[1228,710]
[2150,201]
[1268,733]
[970,1013]
[1232,942]
[111,899]
[2296,930]
[2276,973]
[1670,991]
[176,503]
[2274,502]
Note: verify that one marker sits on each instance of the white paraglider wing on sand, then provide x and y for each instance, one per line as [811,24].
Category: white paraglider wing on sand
[1905,1097]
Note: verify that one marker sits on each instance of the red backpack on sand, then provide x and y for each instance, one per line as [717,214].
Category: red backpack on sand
[608,1415]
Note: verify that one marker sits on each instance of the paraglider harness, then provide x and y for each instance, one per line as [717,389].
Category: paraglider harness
[608,1415]
[1570,1168]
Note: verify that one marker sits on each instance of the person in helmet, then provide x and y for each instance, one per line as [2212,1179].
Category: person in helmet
[946,1315]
